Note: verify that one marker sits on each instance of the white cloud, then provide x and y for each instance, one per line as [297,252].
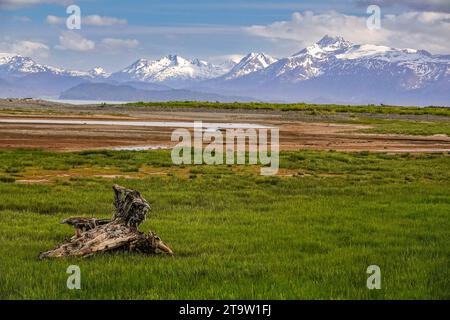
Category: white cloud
[419,30]
[96,20]
[26,48]
[115,44]
[55,20]
[69,40]
[17,4]
[92,20]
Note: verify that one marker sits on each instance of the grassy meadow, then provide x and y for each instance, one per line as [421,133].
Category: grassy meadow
[315,109]
[309,233]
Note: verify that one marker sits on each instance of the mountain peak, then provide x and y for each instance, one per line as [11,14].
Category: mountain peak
[264,59]
[253,54]
[172,57]
[98,72]
[328,41]
[252,62]
[256,55]
[176,59]
[326,45]
[171,68]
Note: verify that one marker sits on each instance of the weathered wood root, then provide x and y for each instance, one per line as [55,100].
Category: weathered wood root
[131,208]
[113,236]
[101,235]
[84,224]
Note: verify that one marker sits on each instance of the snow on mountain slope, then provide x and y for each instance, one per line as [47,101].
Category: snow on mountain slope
[334,56]
[170,69]
[421,66]
[303,65]
[98,72]
[14,65]
[332,69]
[27,78]
[326,45]
[250,63]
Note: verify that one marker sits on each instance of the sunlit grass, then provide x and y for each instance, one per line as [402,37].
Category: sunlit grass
[409,127]
[311,108]
[236,234]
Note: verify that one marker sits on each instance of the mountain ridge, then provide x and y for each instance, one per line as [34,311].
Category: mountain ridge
[127,92]
[171,69]
[332,69]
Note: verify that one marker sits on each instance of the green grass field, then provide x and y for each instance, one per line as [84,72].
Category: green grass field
[306,107]
[408,127]
[309,234]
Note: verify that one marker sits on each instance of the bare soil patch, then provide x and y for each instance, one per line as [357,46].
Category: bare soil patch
[295,132]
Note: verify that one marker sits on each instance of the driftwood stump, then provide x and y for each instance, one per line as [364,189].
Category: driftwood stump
[120,233]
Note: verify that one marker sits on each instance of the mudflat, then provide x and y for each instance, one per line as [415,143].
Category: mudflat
[64,127]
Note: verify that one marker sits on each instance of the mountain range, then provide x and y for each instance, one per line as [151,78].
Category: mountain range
[331,70]
[173,70]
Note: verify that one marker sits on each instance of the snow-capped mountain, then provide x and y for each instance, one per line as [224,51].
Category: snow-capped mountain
[334,69]
[330,70]
[250,63]
[336,56]
[172,69]
[14,65]
[98,73]
[23,77]
[309,62]
[419,66]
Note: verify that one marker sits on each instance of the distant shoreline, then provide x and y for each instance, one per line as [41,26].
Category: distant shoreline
[84,102]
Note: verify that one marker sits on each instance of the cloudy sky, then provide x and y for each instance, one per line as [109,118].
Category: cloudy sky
[115,33]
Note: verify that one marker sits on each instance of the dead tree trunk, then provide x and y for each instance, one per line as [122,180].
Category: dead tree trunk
[120,233]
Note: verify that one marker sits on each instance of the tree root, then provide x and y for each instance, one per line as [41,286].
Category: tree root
[95,236]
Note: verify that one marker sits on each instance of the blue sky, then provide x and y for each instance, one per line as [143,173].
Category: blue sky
[115,33]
